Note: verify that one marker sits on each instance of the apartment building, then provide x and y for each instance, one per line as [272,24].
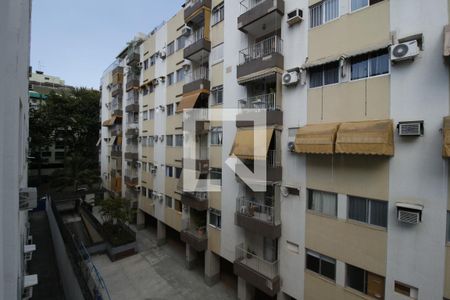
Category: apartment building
[356,98]
[15,198]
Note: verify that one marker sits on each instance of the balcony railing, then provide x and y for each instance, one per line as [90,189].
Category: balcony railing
[274,158]
[197,74]
[131,173]
[132,98]
[132,124]
[116,148]
[132,148]
[116,88]
[267,101]
[116,104]
[246,5]
[258,264]
[196,35]
[259,211]
[261,49]
[200,196]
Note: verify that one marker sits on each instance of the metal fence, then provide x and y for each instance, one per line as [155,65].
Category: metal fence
[273,44]
[246,5]
[256,210]
[197,74]
[266,101]
[250,259]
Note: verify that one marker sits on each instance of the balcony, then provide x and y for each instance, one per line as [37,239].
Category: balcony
[131,152]
[257,217]
[116,130]
[191,8]
[131,177]
[116,106]
[132,102]
[195,200]
[262,58]
[116,89]
[265,103]
[198,48]
[256,13]
[132,81]
[116,151]
[132,130]
[133,58]
[195,237]
[197,79]
[274,170]
[257,271]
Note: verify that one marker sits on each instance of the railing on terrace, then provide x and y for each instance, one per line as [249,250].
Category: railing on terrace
[274,158]
[196,35]
[256,263]
[115,87]
[132,124]
[267,101]
[190,3]
[197,74]
[198,231]
[131,77]
[273,44]
[246,5]
[259,211]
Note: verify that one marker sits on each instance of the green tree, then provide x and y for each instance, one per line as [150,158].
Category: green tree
[114,210]
[76,172]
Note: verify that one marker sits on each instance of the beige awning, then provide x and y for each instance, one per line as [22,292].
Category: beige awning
[252,143]
[446,144]
[109,122]
[366,137]
[259,75]
[446,41]
[119,140]
[189,100]
[316,138]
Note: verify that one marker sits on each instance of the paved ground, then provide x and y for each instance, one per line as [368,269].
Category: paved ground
[44,262]
[157,273]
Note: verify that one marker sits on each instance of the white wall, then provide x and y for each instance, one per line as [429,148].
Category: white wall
[14,61]
[418,174]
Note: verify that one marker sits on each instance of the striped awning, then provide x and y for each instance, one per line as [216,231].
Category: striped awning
[316,138]
[252,143]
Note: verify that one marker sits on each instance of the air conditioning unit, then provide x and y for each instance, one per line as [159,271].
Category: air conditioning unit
[404,51]
[162,54]
[409,213]
[295,16]
[155,138]
[140,64]
[28,251]
[291,146]
[162,79]
[27,198]
[410,128]
[155,82]
[186,31]
[28,282]
[161,138]
[291,78]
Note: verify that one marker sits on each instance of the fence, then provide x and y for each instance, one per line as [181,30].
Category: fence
[267,101]
[251,260]
[261,49]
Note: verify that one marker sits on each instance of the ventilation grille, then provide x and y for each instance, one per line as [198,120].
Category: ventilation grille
[410,128]
[408,217]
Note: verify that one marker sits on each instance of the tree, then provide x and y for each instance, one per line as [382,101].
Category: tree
[114,210]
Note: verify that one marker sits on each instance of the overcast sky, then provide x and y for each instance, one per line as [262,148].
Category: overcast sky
[78,40]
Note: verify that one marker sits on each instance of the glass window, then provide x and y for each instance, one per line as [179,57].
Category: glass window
[180,75]
[369,211]
[379,63]
[145,90]
[360,67]
[169,140]
[218,14]
[356,278]
[331,73]
[215,218]
[178,172]
[169,171]
[59,155]
[146,64]
[331,10]
[170,110]
[168,201]
[357,4]
[178,140]
[170,48]
[365,282]
[216,136]
[321,264]
[217,53]
[315,77]
[181,42]
[217,94]
[152,59]
[448,226]
[151,114]
[323,202]
[144,166]
[151,141]
[145,115]
[150,194]
[316,17]
[144,191]
[323,12]
[170,79]
[215,173]
[178,206]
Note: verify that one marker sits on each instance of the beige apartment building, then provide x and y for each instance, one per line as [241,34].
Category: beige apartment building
[356,97]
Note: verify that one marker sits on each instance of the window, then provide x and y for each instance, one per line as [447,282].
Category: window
[180,75]
[151,114]
[170,79]
[323,12]
[365,282]
[321,264]
[46,154]
[178,172]
[217,94]
[323,75]
[215,173]
[145,90]
[169,109]
[152,60]
[406,290]
[181,42]
[144,166]
[358,4]
[168,202]
[150,141]
[169,140]
[179,140]
[146,64]
[369,211]
[216,136]
[371,64]
[323,202]
[150,194]
[169,171]
[170,48]
[448,227]
[217,54]
[145,115]
[151,88]
[144,191]
[178,206]
[144,141]
[217,14]
[215,218]
[59,155]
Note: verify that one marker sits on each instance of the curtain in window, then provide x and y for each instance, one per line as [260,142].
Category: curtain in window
[329,206]
[315,77]
[378,213]
[331,73]
[379,63]
[359,67]
[316,202]
[357,209]
[357,4]
[331,9]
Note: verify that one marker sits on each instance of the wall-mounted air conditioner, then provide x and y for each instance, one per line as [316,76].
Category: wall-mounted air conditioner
[28,251]
[404,51]
[291,146]
[291,77]
[294,16]
[186,31]
[155,82]
[27,198]
[410,128]
[409,213]
[162,54]
[161,138]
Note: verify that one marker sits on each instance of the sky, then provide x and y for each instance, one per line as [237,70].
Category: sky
[77,40]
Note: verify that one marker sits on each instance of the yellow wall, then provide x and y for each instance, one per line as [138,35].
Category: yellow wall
[215,156]
[356,244]
[175,61]
[366,99]
[171,187]
[146,205]
[172,218]
[148,127]
[217,74]
[214,239]
[217,36]
[147,154]
[173,25]
[215,200]
[174,91]
[447,273]
[174,155]
[352,32]
[148,100]
[365,176]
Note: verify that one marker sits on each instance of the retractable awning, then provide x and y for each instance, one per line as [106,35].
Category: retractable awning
[189,100]
[316,138]
[366,137]
[110,122]
[247,138]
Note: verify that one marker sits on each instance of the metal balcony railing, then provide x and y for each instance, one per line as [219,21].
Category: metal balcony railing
[132,148]
[197,74]
[116,148]
[256,263]
[190,3]
[246,5]
[201,196]
[195,36]
[261,49]
[116,87]
[116,104]
[259,211]
[267,101]
[131,173]
[274,158]
[132,98]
